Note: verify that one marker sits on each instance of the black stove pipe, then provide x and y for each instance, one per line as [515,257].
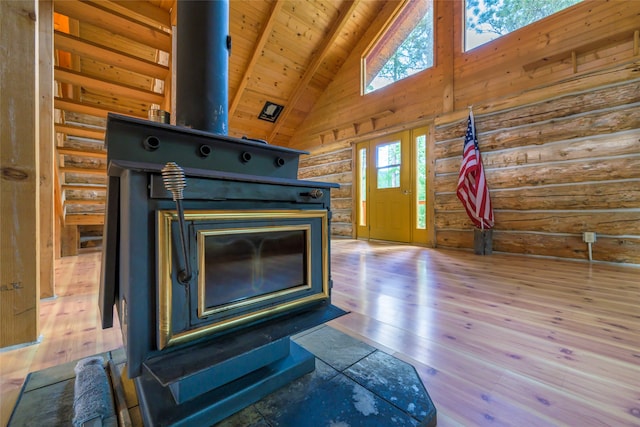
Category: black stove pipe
[202,65]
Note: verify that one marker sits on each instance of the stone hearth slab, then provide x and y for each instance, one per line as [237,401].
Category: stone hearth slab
[353,384]
[333,347]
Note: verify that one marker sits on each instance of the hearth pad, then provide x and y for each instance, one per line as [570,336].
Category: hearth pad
[353,384]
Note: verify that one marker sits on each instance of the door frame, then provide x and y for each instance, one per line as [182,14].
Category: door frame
[418,236]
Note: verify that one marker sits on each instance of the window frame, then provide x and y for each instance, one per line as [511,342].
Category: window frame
[393,34]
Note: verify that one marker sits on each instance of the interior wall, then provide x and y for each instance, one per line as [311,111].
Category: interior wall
[557,114]
[557,167]
[334,165]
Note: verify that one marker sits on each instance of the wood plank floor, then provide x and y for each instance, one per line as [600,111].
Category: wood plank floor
[498,340]
[69,328]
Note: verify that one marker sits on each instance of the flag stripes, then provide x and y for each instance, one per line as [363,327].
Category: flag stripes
[472,187]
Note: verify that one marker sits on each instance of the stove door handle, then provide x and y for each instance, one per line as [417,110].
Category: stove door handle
[314,194]
[174,181]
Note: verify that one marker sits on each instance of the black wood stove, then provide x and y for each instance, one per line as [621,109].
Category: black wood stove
[214,252]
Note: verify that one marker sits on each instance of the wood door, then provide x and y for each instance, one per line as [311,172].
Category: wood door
[390,188]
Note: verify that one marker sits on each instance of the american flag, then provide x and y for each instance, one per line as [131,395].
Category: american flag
[472,185]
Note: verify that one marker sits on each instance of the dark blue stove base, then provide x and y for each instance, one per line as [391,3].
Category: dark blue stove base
[158,407]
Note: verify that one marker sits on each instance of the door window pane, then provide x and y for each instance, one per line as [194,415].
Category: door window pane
[388,165]
[362,219]
[421,182]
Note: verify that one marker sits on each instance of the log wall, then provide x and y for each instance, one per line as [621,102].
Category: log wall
[334,165]
[556,168]
[557,109]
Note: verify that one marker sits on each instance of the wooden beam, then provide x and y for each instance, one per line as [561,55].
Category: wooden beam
[81,131]
[84,219]
[59,215]
[97,110]
[46,145]
[87,171]
[356,125]
[76,62]
[70,240]
[336,30]
[276,7]
[144,10]
[446,36]
[85,202]
[84,187]
[81,153]
[88,49]
[19,175]
[114,89]
[94,14]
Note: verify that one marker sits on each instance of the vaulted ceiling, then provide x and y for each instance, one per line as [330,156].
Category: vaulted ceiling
[115,55]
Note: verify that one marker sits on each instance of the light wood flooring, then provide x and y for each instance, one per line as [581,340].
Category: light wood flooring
[70,328]
[498,340]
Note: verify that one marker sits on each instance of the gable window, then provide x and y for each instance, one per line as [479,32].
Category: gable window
[403,48]
[487,20]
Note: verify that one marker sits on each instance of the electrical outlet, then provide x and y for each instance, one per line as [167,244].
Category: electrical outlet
[589,237]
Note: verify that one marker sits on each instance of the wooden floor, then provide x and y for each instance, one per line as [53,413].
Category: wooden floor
[498,340]
[69,327]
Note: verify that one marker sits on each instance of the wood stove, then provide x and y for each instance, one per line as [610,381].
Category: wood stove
[256,245]
[214,252]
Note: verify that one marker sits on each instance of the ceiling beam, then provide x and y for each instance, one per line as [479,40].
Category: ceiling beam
[113,89]
[85,48]
[345,14]
[144,11]
[92,13]
[276,7]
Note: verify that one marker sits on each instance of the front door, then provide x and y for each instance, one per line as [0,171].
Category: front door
[390,188]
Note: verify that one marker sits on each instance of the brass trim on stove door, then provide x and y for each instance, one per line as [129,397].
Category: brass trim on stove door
[166,336]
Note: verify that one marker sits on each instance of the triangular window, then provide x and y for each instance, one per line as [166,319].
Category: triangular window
[403,48]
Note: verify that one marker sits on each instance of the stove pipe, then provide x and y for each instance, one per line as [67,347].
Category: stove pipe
[202,65]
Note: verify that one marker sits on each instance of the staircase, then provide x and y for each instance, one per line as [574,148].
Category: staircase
[109,57]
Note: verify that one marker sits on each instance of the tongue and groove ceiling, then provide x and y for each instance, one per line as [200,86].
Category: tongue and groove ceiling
[116,56]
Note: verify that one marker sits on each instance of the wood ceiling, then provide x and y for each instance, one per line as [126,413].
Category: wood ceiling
[115,56]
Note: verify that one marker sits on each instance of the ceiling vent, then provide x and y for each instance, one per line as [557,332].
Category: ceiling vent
[270,112]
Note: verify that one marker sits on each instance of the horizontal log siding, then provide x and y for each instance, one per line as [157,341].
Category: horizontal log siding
[558,109]
[556,169]
[333,164]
